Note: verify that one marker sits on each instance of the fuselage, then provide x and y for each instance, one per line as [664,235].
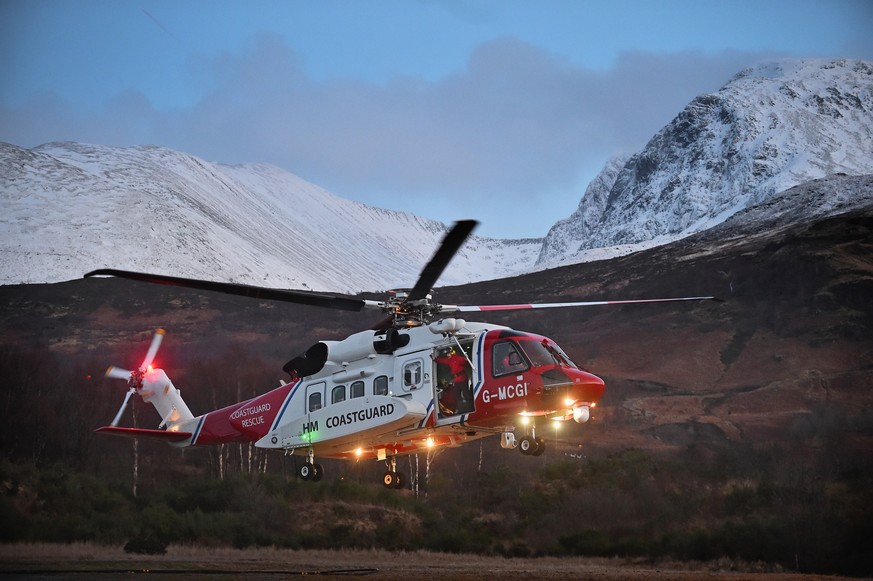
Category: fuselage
[445,385]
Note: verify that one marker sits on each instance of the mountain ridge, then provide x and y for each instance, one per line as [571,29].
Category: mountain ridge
[768,129]
[70,208]
[74,207]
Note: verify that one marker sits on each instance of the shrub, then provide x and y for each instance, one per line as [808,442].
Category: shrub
[146,544]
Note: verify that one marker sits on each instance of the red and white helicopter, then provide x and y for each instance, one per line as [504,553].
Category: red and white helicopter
[417,379]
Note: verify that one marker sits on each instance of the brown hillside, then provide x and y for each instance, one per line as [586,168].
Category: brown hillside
[791,342]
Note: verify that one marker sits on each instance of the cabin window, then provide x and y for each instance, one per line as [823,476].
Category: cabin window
[315,401]
[412,375]
[356,389]
[380,385]
[338,394]
[506,358]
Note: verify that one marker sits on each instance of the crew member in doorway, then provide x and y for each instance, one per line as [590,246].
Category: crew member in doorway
[453,374]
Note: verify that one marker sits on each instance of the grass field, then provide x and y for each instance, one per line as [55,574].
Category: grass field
[91,561]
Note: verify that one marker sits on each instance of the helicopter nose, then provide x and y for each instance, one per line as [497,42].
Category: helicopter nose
[587,387]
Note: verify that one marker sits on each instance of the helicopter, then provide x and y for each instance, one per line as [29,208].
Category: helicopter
[422,377]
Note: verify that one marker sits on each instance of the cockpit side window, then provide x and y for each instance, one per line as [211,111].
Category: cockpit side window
[538,354]
[506,358]
[543,353]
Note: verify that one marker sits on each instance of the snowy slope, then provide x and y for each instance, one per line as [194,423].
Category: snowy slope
[826,197]
[68,208]
[769,129]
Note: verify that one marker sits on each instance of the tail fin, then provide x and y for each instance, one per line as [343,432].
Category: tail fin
[158,390]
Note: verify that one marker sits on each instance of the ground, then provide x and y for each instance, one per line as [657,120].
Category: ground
[88,561]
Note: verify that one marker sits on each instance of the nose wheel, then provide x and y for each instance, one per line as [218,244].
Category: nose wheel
[530,445]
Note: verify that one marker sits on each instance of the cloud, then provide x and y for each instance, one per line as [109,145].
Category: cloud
[517,121]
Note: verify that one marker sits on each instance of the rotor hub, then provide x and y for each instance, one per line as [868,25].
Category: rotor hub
[136,377]
[406,313]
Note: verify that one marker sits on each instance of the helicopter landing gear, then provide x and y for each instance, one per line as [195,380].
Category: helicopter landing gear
[392,478]
[530,445]
[310,470]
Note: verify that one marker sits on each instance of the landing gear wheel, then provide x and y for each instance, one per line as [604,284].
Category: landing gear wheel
[540,447]
[307,471]
[528,445]
[317,472]
[389,480]
[393,479]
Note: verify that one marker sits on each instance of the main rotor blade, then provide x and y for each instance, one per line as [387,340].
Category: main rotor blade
[447,250]
[244,290]
[153,349]
[483,308]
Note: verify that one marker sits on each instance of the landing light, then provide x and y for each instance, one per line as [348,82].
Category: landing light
[581,414]
[569,402]
[430,442]
[358,452]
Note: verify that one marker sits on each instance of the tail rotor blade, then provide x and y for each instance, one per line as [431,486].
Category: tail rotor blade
[118,373]
[122,408]
[153,349]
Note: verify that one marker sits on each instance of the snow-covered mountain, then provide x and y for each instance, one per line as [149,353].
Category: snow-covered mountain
[68,208]
[770,128]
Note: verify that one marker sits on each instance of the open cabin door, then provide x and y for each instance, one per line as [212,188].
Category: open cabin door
[453,384]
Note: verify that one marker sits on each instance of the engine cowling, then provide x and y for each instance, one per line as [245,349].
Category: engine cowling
[359,346]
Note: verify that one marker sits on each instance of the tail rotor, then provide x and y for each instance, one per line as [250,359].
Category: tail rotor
[134,378]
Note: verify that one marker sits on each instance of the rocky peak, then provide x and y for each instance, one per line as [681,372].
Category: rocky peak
[770,128]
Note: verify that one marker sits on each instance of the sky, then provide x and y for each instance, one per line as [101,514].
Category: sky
[497,110]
